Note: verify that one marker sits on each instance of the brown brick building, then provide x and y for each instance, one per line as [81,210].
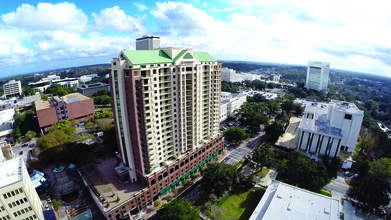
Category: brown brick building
[72,106]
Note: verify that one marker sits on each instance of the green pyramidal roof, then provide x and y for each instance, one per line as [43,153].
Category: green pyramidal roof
[204,57]
[143,57]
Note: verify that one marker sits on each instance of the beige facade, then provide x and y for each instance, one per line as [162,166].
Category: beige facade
[18,198]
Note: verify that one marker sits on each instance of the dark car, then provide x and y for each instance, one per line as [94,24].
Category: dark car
[24,145]
[21,153]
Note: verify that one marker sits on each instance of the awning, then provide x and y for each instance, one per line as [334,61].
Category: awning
[185,175]
[164,190]
[175,182]
[215,153]
[194,169]
[202,163]
[209,158]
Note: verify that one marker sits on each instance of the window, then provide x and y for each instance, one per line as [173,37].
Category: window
[309,115]
[348,116]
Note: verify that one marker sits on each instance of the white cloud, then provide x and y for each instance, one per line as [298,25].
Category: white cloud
[140,6]
[117,20]
[285,31]
[46,16]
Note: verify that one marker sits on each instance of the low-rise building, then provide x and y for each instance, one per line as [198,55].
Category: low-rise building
[6,152]
[72,106]
[67,82]
[248,76]
[6,121]
[230,104]
[87,78]
[92,88]
[12,88]
[329,128]
[283,201]
[18,198]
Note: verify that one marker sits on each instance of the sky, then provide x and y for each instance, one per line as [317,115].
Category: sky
[353,35]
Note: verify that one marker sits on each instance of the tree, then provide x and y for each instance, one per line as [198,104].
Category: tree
[274,131]
[371,190]
[303,172]
[365,146]
[44,97]
[264,155]
[253,115]
[30,135]
[382,168]
[177,210]
[219,177]
[235,134]
[16,133]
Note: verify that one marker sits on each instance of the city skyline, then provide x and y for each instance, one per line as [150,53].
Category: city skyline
[350,35]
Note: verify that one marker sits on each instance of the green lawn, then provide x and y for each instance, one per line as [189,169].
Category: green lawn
[241,204]
[262,173]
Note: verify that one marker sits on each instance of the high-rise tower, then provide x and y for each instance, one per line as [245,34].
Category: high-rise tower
[317,75]
[166,105]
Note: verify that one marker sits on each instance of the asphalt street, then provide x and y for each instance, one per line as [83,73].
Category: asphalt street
[237,154]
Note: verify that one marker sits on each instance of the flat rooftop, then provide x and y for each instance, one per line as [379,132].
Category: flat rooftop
[70,98]
[283,201]
[319,123]
[104,179]
[11,172]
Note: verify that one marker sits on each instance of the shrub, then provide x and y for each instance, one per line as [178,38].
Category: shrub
[157,203]
[184,182]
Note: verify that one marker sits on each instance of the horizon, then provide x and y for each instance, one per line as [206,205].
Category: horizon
[349,35]
[222,61]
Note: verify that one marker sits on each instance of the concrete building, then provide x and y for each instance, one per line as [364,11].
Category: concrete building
[166,106]
[230,104]
[6,152]
[92,88]
[12,88]
[87,78]
[229,75]
[41,85]
[329,128]
[283,201]
[18,198]
[67,82]
[247,76]
[6,121]
[72,106]
[148,42]
[317,75]
[276,77]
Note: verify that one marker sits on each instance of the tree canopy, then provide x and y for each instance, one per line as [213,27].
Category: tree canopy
[302,172]
[235,134]
[177,209]
[264,155]
[253,114]
[219,177]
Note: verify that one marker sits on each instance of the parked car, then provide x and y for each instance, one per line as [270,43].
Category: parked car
[31,145]
[21,152]
[25,145]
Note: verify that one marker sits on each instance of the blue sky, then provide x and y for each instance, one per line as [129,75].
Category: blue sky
[351,35]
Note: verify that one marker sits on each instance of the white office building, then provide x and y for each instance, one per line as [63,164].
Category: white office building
[276,78]
[329,128]
[12,88]
[283,201]
[18,198]
[229,75]
[230,104]
[148,42]
[317,75]
[248,76]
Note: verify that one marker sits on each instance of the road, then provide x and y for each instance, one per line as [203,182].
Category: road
[237,154]
[338,186]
